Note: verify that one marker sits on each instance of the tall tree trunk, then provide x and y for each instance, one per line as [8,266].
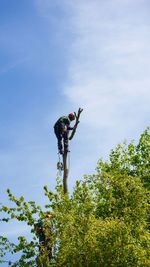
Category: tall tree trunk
[65,155]
[66,173]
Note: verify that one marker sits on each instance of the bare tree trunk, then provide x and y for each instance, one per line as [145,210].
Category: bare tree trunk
[65,156]
[66,173]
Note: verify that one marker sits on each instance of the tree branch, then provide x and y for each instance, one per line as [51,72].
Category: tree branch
[76,124]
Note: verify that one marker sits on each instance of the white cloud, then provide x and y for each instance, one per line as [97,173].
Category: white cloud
[109,68]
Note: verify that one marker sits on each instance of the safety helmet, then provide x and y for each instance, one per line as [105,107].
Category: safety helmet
[47,215]
[71,116]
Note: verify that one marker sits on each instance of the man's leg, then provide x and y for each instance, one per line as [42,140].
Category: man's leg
[60,147]
[58,134]
[66,142]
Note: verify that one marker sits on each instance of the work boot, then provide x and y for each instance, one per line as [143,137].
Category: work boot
[61,152]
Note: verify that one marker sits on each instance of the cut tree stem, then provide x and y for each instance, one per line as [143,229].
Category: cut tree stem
[65,155]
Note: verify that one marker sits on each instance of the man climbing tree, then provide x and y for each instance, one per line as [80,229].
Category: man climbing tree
[61,129]
[43,229]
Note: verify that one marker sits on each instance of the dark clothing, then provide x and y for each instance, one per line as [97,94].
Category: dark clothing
[61,129]
[63,120]
[44,232]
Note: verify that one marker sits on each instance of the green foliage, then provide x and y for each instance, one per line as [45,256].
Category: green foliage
[131,159]
[103,224]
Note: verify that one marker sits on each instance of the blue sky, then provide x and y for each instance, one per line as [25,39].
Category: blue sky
[57,56]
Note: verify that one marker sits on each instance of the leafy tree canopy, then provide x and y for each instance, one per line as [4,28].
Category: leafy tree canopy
[105,222]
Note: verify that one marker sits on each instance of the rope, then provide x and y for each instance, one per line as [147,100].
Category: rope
[59,166]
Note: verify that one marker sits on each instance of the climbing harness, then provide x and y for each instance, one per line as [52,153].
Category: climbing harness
[59,165]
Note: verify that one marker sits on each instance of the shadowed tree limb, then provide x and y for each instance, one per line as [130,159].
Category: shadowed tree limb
[76,124]
[65,173]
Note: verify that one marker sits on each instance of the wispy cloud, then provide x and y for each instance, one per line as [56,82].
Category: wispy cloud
[109,68]
[108,72]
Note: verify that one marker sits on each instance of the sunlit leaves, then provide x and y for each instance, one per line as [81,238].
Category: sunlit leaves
[104,223]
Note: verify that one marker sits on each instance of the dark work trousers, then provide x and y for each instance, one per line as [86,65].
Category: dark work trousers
[62,135]
[45,246]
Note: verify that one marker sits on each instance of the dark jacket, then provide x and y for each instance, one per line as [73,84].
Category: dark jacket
[63,122]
